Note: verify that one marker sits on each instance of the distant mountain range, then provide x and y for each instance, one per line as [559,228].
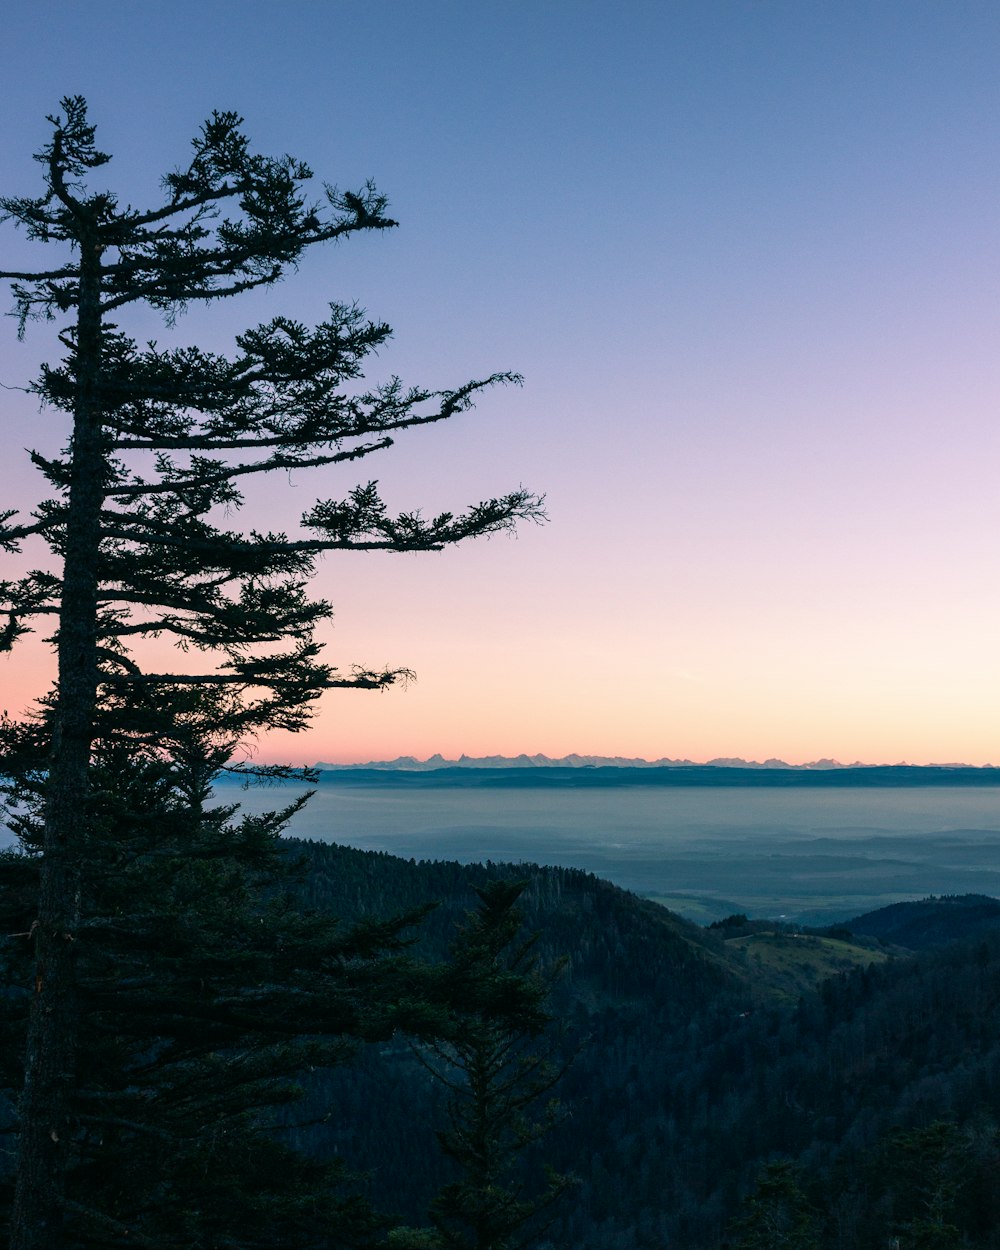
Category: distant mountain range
[408,763]
[593,771]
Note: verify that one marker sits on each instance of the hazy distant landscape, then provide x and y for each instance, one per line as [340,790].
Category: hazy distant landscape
[810,847]
[814,853]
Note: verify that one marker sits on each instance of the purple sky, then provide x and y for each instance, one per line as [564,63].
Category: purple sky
[746,256]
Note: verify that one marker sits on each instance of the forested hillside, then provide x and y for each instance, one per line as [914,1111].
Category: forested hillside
[697,1067]
[932,922]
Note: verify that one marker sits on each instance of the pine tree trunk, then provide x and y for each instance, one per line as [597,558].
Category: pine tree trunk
[46,1129]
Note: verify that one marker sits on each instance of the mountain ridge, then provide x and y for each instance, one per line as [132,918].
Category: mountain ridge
[409,763]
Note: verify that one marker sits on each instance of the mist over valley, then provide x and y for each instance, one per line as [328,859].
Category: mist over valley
[809,853]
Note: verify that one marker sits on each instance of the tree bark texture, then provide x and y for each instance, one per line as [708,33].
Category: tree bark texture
[45,1114]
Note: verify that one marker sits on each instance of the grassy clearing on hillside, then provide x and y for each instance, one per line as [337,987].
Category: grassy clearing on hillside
[791,963]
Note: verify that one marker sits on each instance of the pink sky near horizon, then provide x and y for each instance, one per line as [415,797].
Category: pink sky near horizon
[747,257]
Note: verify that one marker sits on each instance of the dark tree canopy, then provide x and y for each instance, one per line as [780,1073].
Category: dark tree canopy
[204,991]
[160,442]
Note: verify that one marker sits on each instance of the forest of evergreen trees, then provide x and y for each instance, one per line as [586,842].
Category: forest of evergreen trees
[700,1104]
[878,1091]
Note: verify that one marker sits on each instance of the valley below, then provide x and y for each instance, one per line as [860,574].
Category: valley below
[813,854]
[823,1078]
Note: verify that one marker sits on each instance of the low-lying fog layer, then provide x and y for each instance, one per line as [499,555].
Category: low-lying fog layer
[815,855]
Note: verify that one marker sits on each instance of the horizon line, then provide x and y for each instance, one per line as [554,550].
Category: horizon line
[578,760]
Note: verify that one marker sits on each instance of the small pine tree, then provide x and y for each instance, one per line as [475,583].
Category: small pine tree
[777,1215]
[497,1074]
[929,1167]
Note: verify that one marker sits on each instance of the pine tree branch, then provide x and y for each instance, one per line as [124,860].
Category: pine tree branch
[200,632]
[216,194]
[51,275]
[302,546]
[376,422]
[362,681]
[15,533]
[160,293]
[183,482]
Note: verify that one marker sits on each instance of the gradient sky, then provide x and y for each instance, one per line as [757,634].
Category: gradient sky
[747,256]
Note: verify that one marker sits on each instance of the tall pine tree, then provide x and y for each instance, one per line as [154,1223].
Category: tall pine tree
[159,443]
